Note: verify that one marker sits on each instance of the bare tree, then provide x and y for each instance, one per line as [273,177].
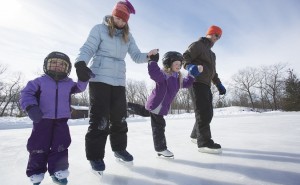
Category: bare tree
[136,92]
[11,91]
[274,78]
[245,80]
[80,99]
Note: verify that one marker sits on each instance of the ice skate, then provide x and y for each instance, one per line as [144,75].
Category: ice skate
[213,148]
[124,156]
[36,179]
[60,177]
[194,140]
[98,167]
[166,154]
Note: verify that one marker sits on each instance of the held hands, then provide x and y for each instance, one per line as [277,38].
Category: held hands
[221,89]
[83,72]
[194,70]
[34,112]
[151,53]
[154,58]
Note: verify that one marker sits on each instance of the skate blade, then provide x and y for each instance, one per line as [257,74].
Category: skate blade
[126,163]
[209,150]
[99,174]
[194,141]
[165,157]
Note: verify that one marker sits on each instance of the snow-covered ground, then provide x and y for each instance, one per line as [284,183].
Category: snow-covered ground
[258,149]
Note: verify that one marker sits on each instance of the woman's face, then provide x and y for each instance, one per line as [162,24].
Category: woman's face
[119,23]
[176,66]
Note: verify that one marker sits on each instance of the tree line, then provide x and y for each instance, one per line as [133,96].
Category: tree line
[273,87]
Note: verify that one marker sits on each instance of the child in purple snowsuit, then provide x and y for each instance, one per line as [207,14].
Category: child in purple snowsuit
[47,99]
[168,82]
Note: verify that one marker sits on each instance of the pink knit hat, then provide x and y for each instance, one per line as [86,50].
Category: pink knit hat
[123,9]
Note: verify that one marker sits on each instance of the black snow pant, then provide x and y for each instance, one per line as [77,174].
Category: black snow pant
[202,100]
[158,125]
[107,117]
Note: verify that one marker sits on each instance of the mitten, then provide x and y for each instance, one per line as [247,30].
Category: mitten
[83,72]
[221,89]
[34,112]
[154,58]
[193,70]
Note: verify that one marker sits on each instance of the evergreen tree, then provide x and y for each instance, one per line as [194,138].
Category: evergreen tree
[291,100]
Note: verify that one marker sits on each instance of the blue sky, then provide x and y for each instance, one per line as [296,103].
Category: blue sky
[255,33]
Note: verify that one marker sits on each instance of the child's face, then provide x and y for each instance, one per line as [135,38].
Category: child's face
[57,65]
[176,66]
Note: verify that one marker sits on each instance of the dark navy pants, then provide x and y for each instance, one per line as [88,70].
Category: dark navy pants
[107,117]
[48,146]
[158,125]
[202,99]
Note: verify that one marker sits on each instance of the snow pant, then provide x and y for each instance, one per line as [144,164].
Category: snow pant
[158,125]
[107,117]
[48,144]
[137,109]
[202,100]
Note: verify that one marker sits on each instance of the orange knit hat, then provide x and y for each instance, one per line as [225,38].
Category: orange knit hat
[214,30]
[123,9]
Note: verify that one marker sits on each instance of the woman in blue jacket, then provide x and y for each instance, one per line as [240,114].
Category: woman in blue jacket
[47,101]
[168,82]
[106,47]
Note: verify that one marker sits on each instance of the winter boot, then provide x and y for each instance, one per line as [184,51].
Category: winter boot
[60,177]
[165,153]
[36,179]
[213,148]
[124,156]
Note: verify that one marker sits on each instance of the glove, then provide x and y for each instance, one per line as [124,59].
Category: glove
[83,72]
[154,58]
[34,112]
[221,89]
[193,70]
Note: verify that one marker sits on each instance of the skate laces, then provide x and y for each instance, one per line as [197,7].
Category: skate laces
[61,174]
[37,178]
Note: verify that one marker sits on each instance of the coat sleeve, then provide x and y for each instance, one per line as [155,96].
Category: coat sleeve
[29,95]
[216,80]
[187,81]
[90,46]
[135,52]
[191,53]
[155,73]
[79,87]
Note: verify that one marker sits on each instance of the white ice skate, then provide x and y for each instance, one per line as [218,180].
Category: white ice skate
[60,177]
[166,154]
[37,178]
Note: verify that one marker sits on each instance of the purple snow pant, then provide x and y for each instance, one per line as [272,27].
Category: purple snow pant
[48,144]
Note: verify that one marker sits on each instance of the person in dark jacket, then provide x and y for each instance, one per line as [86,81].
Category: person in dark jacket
[46,99]
[200,53]
[105,49]
[168,82]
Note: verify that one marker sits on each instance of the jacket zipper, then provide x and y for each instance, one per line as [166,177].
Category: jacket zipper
[56,100]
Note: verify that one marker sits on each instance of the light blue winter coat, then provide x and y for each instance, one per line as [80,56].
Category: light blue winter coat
[108,54]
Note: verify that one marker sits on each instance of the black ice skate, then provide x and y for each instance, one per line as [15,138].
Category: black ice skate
[212,148]
[98,167]
[124,156]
